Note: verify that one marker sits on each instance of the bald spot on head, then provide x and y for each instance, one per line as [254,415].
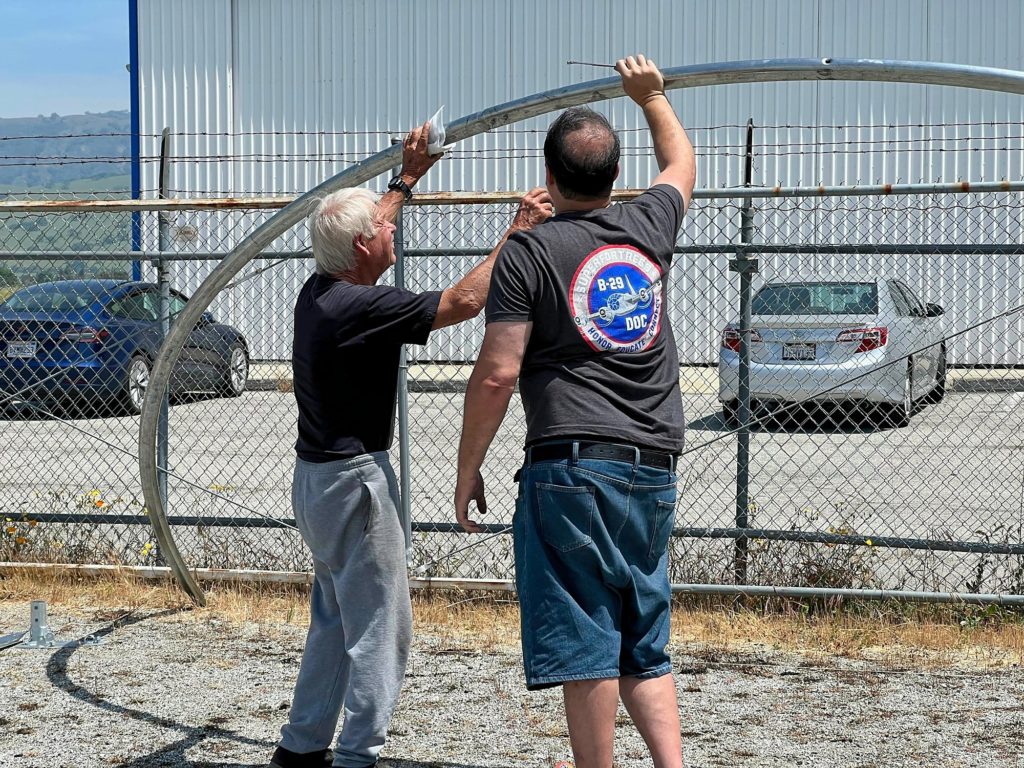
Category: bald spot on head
[582,153]
[590,141]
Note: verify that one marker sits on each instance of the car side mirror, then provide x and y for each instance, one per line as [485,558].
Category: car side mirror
[933,310]
[207,318]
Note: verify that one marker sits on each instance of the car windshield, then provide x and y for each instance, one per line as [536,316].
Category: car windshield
[816,299]
[53,297]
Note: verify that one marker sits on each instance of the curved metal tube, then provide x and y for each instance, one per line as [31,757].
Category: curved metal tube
[754,71]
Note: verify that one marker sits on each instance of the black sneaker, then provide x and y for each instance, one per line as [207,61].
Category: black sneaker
[285,758]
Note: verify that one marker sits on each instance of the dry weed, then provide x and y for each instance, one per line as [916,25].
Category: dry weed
[894,635]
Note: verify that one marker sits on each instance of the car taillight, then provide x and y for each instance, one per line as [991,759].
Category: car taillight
[86,335]
[731,338]
[868,338]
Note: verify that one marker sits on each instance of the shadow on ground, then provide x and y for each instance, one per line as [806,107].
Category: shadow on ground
[175,753]
[804,418]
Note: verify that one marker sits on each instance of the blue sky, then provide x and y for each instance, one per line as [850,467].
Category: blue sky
[63,56]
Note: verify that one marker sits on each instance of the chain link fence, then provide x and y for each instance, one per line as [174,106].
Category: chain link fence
[874,446]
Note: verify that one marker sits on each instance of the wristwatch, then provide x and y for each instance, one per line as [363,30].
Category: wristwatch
[401,186]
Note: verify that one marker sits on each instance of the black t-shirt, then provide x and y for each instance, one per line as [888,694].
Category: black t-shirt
[601,361]
[345,363]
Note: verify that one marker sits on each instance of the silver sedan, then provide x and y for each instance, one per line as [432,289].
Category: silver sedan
[870,340]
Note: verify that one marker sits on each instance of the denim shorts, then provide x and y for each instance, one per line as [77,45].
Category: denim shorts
[591,541]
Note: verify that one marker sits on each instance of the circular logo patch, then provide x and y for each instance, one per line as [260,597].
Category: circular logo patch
[615,297]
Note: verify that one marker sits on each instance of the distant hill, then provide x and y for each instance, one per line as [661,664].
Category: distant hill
[59,153]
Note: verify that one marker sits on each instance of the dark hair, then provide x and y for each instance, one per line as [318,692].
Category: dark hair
[583,170]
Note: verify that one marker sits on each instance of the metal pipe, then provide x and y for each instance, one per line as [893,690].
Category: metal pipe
[133,206]
[857,540]
[768,70]
[164,282]
[488,198]
[505,585]
[592,64]
[746,268]
[801,593]
[900,249]
[917,249]
[144,255]
[404,451]
[687,532]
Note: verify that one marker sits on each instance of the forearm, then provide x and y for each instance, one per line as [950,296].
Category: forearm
[671,144]
[390,203]
[470,292]
[485,407]
[415,163]
[467,297]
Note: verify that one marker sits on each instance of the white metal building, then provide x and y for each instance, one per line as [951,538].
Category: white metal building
[273,96]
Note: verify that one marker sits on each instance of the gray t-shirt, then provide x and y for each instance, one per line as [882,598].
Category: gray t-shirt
[601,362]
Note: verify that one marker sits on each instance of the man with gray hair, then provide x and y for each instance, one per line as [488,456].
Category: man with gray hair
[349,332]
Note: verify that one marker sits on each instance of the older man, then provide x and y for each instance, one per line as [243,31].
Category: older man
[578,306]
[348,335]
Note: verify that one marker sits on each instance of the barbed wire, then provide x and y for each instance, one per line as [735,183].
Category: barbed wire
[522,131]
[912,147]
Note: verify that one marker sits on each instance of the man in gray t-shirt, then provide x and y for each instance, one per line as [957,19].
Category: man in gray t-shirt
[577,315]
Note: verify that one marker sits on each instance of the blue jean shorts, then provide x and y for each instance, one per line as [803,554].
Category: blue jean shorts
[591,540]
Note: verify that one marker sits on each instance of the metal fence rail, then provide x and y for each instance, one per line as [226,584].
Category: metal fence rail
[839,497]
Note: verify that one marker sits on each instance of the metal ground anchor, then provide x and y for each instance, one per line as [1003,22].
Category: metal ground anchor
[41,637]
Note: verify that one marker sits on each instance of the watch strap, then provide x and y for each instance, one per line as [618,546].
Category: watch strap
[401,186]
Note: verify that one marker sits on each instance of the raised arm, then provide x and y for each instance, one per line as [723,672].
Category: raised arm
[467,297]
[415,163]
[644,84]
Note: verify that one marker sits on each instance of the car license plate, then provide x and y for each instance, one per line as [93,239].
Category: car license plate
[799,351]
[21,349]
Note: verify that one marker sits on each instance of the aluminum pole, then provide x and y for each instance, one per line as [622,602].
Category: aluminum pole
[751,71]
[164,282]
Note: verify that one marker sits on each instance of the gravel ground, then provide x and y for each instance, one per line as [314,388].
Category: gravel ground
[170,688]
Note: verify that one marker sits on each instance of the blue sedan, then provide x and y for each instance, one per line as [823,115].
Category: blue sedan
[97,339]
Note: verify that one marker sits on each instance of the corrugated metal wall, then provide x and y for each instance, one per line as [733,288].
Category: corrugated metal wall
[272,96]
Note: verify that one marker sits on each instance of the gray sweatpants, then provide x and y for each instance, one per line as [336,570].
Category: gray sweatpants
[361,622]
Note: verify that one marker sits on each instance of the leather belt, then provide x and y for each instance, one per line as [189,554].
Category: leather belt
[604,451]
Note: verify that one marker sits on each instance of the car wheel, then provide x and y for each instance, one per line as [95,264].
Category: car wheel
[236,374]
[900,413]
[730,413]
[938,392]
[136,383]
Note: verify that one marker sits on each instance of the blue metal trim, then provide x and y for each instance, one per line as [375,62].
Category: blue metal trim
[133,66]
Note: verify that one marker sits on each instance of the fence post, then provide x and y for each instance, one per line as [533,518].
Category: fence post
[163,280]
[747,268]
[404,460]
